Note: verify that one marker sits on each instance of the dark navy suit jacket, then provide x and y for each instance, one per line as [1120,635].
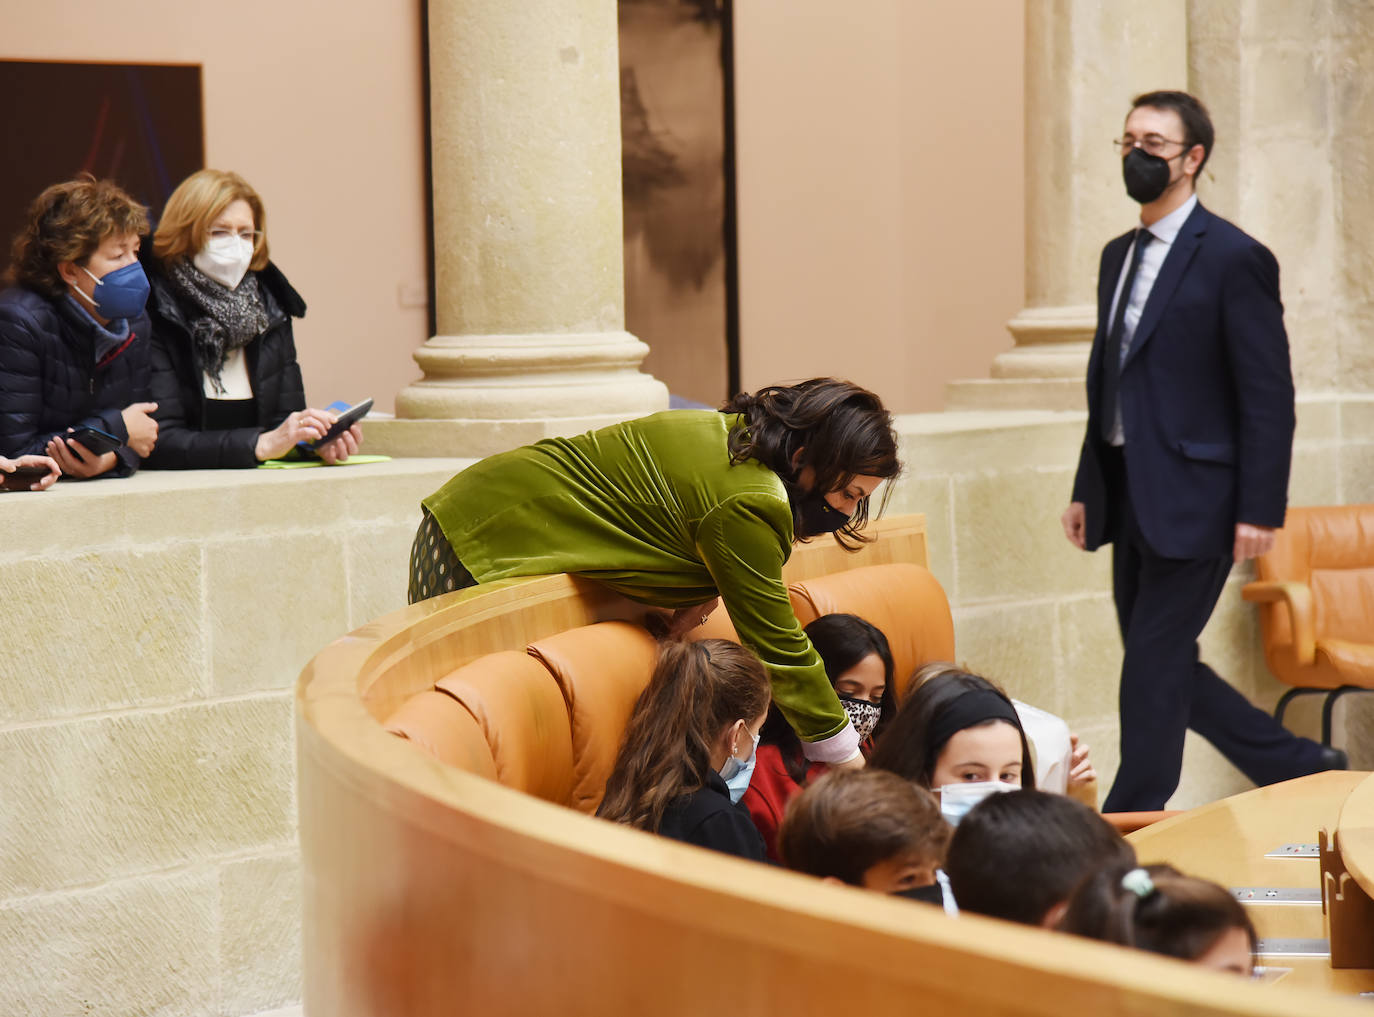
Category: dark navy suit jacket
[1206,395]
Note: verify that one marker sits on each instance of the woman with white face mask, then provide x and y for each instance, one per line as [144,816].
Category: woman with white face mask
[225,375]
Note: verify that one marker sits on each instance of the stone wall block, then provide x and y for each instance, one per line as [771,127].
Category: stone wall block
[143,946]
[44,526]
[1289,82]
[975,442]
[378,557]
[1357,474]
[117,796]
[1316,475]
[917,491]
[1091,648]
[1010,541]
[273,602]
[260,933]
[1319,419]
[114,629]
[1012,645]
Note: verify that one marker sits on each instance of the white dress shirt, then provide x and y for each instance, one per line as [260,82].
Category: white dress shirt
[1163,232]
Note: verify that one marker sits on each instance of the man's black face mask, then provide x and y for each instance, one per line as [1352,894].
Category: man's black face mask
[1146,175]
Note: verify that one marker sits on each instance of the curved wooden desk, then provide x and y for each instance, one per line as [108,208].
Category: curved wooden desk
[430,891]
[1226,842]
[1356,828]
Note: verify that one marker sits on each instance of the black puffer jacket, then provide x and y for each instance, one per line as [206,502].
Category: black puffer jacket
[50,381]
[178,377]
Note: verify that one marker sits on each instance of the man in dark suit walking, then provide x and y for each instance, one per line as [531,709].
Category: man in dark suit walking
[1184,468]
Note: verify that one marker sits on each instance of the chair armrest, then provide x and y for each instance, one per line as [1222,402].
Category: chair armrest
[1298,599]
[1130,822]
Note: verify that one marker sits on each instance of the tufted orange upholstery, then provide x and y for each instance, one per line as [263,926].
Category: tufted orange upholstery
[1316,596]
[905,601]
[440,725]
[520,711]
[601,670]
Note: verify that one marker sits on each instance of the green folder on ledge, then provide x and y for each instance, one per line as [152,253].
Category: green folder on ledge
[301,464]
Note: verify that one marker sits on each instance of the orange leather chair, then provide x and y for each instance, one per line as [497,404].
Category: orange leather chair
[442,726]
[904,601]
[520,711]
[1316,595]
[601,670]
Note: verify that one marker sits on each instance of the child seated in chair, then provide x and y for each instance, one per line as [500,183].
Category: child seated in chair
[1159,909]
[1018,856]
[865,828]
[693,727]
[858,663]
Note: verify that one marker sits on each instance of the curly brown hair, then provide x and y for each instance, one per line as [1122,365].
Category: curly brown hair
[68,222]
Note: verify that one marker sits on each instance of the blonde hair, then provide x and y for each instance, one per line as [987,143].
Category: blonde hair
[194,206]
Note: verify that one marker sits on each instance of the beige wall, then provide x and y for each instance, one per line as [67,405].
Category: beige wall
[881,191]
[319,107]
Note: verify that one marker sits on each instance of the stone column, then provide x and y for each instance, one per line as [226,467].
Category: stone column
[1085,61]
[529,264]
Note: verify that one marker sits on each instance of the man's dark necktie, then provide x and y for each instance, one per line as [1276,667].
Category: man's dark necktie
[1111,366]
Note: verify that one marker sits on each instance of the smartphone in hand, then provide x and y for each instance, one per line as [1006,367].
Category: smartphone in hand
[347,419]
[23,478]
[99,442]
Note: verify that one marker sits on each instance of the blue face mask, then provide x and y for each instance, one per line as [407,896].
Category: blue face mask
[737,772]
[120,294]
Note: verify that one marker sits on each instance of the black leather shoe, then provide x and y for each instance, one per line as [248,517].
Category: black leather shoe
[1334,758]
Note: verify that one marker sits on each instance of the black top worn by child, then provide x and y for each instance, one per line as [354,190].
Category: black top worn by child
[707,818]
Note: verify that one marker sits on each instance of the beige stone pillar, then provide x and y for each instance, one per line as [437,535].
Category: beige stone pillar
[1085,60]
[525,126]
[1289,91]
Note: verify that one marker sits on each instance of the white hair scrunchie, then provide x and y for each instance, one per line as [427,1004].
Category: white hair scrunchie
[1138,881]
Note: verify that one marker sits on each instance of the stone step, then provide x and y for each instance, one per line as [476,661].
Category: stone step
[1016,394]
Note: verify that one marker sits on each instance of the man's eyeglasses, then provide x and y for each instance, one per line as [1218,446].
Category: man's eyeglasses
[1154,144]
[248,236]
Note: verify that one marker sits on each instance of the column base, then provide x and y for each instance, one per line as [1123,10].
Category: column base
[483,394]
[1044,371]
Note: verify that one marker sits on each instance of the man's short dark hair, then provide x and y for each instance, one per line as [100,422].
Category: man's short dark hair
[1018,854]
[1197,122]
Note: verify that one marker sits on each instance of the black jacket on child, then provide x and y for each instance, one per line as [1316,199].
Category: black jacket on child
[178,377]
[707,818]
[50,379]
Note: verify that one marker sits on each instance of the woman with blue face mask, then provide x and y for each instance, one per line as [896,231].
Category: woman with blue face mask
[694,726]
[74,344]
[225,375]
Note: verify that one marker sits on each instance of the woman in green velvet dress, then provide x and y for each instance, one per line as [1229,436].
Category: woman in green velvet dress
[677,508]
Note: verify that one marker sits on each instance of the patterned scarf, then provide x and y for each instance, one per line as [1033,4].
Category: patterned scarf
[229,321]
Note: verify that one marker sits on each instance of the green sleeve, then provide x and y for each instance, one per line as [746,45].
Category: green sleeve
[744,542]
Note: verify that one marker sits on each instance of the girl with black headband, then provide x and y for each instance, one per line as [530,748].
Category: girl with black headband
[954,730]
[694,726]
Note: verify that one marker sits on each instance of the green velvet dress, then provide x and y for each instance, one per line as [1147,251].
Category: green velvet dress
[653,509]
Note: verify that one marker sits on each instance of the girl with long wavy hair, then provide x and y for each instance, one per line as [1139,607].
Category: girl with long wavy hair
[693,727]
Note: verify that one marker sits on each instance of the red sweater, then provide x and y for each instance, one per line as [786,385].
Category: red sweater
[769,791]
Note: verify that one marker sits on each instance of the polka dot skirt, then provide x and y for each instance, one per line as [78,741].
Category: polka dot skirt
[434,568]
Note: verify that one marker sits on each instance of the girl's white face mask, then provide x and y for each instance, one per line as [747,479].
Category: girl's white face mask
[225,259]
[957,799]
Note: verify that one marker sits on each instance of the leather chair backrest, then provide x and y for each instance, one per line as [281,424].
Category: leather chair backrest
[521,713]
[439,724]
[601,670]
[904,601]
[1331,549]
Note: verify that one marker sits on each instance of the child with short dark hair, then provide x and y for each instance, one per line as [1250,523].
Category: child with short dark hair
[866,828]
[1019,855]
[1159,909]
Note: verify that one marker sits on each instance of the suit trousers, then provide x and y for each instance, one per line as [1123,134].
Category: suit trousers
[1162,605]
